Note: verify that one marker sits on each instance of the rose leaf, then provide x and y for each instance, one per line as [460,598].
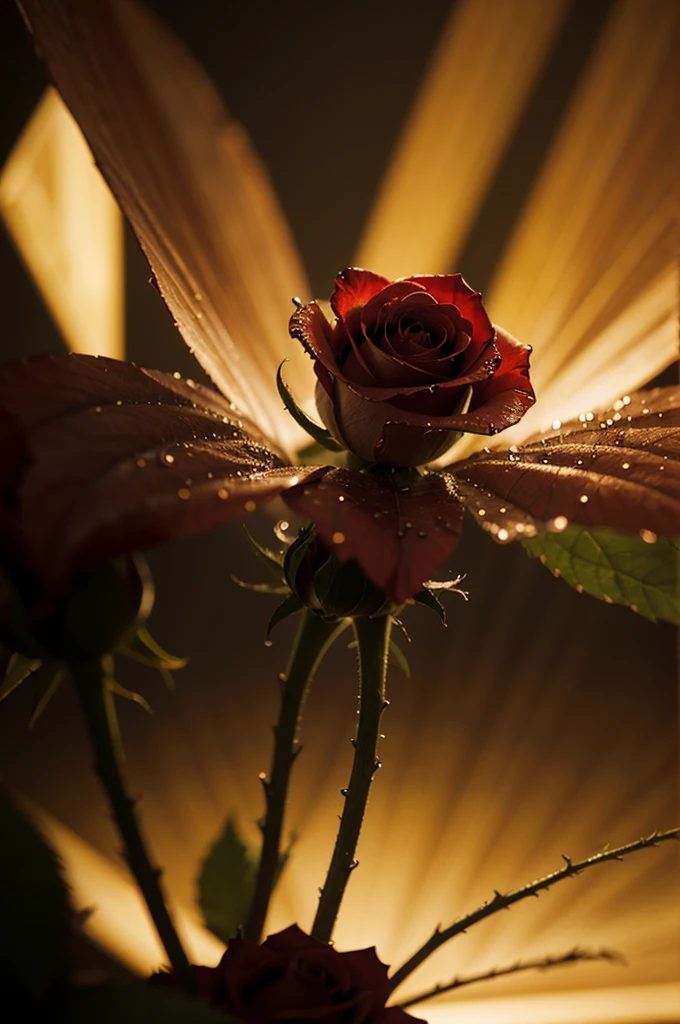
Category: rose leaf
[615,568]
[124,458]
[34,908]
[620,471]
[227,882]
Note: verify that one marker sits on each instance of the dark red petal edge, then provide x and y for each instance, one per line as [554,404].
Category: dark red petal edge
[620,469]
[400,527]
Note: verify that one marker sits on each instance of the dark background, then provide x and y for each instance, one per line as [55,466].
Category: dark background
[572,701]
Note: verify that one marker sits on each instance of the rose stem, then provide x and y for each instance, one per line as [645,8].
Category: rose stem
[313,640]
[99,711]
[373,637]
[503,901]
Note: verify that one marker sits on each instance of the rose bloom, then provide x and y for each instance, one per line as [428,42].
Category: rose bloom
[411,364]
[292,977]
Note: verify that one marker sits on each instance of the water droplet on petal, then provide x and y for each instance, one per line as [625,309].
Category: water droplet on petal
[559,523]
[583,499]
[250,506]
[503,535]
[168,459]
[184,493]
[648,536]
[223,493]
[141,463]
[338,538]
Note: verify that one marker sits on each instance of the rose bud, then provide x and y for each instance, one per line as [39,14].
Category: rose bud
[292,977]
[410,365]
[331,589]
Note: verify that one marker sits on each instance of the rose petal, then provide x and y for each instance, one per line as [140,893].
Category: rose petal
[453,289]
[400,527]
[354,287]
[122,459]
[625,476]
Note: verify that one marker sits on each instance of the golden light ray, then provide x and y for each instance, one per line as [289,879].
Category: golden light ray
[116,918]
[590,278]
[468,106]
[196,195]
[67,228]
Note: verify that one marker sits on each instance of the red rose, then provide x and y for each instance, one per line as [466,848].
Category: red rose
[409,365]
[292,977]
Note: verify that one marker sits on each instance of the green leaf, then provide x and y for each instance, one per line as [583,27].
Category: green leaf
[137,1003]
[428,600]
[18,669]
[615,567]
[290,606]
[272,559]
[399,658]
[34,908]
[320,434]
[143,648]
[46,681]
[226,883]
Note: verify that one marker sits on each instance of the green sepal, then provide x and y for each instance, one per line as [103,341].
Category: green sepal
[143,648]
[19,668]
[428,600]
[344,591]
[46,680]
[122,691]
[34,912]
[290,606]
[262,588]
[615,567]
[399,658]
[272,559]
[320,434]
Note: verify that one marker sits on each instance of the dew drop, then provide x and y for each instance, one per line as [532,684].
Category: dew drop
[250,506]
[141,463]
[223,494]
[503,535]
[209,476]
[97,408]
[556,424]
[559,523]
[422,534]
[338,538]
[583,499]
[481,511]
[177,375]
[168,459]
[504,509]
[269,643]
[648,536]
[625,465]
[341,497]
[184,493]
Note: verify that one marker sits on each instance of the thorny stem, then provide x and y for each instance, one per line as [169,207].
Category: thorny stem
[313,640]
[539,964]
[99,712]
[373,638]
[502,901]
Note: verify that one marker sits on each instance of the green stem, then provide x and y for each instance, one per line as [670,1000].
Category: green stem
[373,638]
[313,640]
[98,707]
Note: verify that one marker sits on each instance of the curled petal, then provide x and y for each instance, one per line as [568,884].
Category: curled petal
[453,289]
[399,526]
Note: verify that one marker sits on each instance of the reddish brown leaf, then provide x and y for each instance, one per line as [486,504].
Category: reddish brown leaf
[123,458]
[620,469]
[399,526]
